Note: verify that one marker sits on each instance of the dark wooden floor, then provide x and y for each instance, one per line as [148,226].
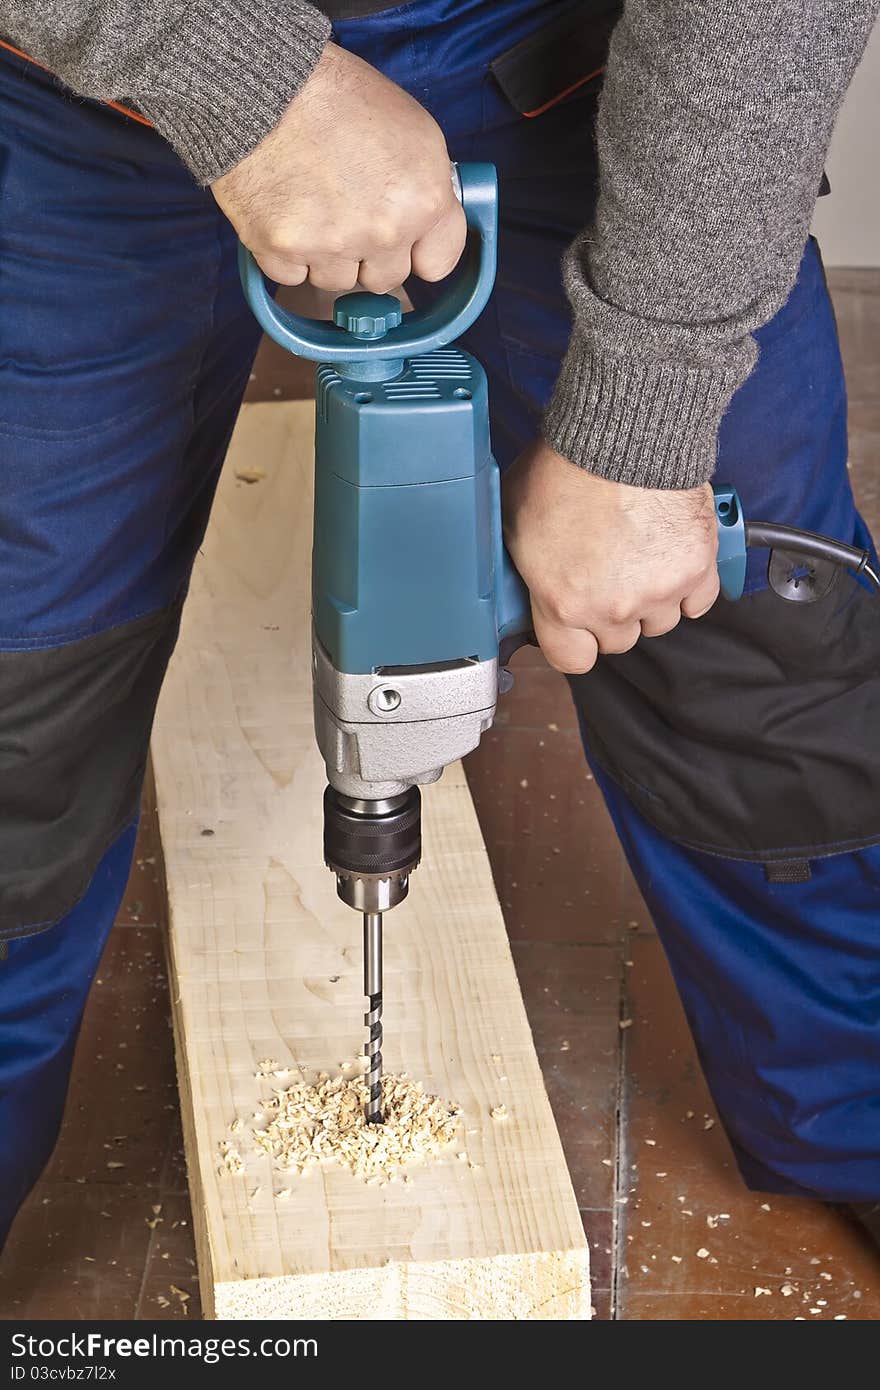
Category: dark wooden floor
[674,1234]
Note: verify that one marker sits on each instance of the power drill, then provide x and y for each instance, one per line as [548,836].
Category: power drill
[417,607]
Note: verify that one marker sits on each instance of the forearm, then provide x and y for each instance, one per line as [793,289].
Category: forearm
[214,76]
[712,132]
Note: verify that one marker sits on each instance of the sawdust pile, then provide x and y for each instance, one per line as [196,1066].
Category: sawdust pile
[325,1120]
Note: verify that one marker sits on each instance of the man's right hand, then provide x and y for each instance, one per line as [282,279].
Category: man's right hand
[353,186]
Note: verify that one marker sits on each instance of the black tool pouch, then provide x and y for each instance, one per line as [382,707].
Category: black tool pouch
[559,58]
[753,733]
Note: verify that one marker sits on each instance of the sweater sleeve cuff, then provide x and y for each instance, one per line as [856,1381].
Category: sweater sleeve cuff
[221,80]
[649,423]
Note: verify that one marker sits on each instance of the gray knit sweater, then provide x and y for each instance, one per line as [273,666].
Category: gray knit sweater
[713,128]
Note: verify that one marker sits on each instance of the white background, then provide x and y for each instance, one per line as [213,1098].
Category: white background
[848,223]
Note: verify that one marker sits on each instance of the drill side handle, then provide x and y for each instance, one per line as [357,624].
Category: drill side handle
[421,331]
[732,541]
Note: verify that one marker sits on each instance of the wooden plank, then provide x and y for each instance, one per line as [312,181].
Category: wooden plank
[266,962]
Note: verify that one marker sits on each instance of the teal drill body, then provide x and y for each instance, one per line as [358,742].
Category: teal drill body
[407,524]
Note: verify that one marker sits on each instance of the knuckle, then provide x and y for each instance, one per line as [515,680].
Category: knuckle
[567,610]
[282,237]
[570,601]
[385,232]
[621,611]
[430,199]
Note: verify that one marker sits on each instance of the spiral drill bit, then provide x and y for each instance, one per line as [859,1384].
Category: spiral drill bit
[373,1017]
[372,845]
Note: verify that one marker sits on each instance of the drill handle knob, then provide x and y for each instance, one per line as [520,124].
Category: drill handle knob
[421,331]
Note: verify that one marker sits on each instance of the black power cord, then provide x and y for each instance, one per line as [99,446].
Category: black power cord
[770,535]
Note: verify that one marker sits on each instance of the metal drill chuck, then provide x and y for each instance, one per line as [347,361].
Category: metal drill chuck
[372,847]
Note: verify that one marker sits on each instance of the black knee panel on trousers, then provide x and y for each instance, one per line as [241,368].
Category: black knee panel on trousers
[75,724]
[753,733]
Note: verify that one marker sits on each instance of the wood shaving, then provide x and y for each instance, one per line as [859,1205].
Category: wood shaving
[499,1112]
[232,1159]
[308,1123]
[180,1294]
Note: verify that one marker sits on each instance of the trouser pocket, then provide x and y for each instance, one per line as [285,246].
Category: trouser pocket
[560,57]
